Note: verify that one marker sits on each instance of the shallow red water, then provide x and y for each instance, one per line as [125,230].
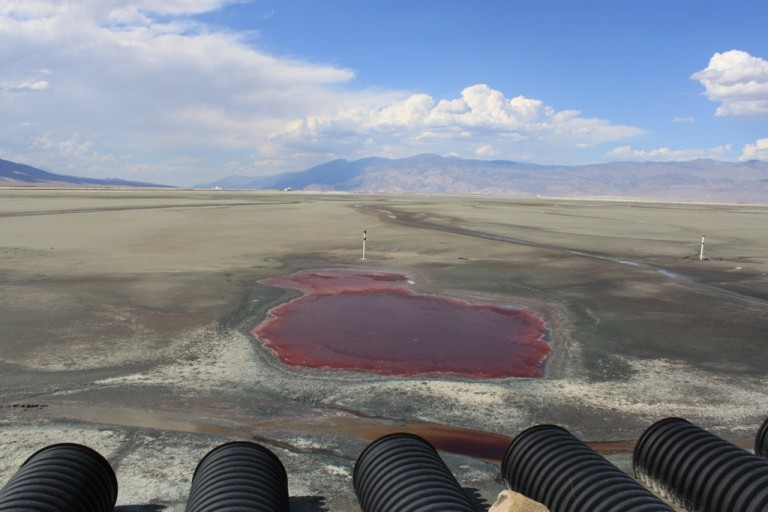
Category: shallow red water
[371,321]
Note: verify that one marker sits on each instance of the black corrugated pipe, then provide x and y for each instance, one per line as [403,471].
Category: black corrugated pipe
[239,476]
[404,473]
[761,440]
[63,477]
[699,470]
[549,465]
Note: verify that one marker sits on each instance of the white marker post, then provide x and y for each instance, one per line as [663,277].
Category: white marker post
[365,235]
[701,252]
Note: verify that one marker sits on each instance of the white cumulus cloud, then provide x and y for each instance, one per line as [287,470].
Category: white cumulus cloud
[482,121]
[756,151]
[739,82]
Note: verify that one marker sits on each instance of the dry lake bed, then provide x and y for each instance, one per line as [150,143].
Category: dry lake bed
[127,321]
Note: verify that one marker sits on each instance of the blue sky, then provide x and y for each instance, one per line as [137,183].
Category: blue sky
[187,91]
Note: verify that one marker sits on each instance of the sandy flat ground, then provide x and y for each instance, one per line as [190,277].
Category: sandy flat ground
[124,320]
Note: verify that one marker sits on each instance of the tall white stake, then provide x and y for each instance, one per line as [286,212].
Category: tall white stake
[365,235]
[701,252]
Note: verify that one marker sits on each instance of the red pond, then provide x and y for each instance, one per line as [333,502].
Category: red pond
[371,321]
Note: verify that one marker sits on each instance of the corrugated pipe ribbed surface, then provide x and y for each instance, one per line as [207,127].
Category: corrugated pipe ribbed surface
[239,476]
[761,440]
[699,470]
[549,465]
[404,473]
[62,478]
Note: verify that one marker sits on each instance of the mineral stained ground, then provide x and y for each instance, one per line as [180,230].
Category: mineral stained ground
[125,321]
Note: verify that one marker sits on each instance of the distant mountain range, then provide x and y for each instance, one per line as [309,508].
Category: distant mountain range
[14,174]
[696,180]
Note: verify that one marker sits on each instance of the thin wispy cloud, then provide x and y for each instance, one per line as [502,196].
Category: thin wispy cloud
[38,86]
[665,154]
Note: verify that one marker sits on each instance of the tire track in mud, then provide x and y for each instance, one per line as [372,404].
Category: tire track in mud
[394,216]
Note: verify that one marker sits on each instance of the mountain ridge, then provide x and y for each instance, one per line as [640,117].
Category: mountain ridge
[16,174]
[693,180]
[703,180]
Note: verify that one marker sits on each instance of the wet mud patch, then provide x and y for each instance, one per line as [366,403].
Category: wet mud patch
[373,321]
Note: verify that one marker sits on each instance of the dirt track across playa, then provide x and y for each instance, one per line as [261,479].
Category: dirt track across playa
[124,321]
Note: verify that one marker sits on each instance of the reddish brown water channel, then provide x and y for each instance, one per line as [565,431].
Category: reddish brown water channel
[371,321]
